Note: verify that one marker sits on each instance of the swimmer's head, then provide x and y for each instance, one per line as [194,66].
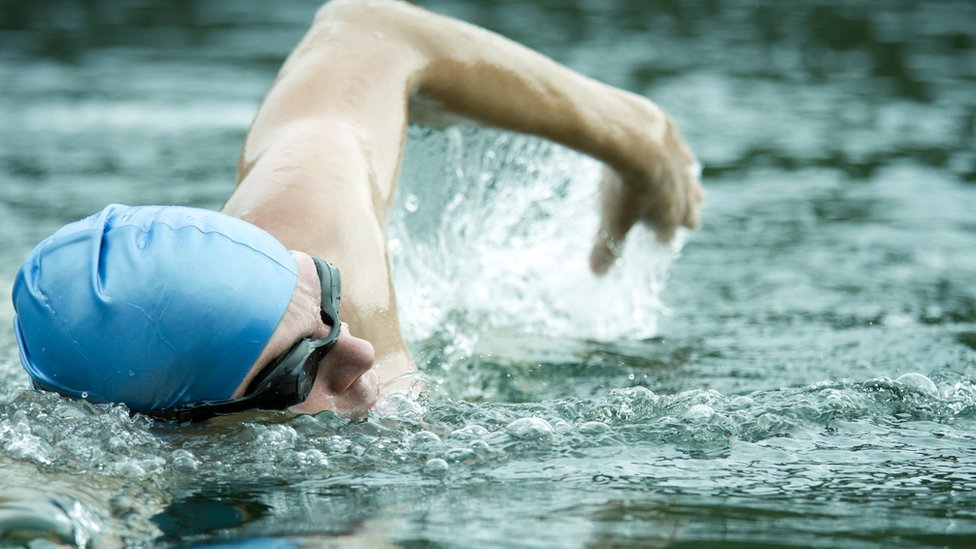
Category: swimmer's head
[152,307]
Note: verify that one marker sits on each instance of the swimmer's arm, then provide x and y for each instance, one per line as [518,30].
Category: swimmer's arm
[481,75]
[651,174]
[362,60]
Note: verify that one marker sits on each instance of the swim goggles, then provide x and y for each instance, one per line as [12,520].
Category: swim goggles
[288,379]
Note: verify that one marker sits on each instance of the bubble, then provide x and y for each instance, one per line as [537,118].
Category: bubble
[313,457]
[593,428]
[919,382]
[460,455]
[469,432]
[436,467]
[277,437]
[560,425]
[699,411]
[425,441]
[130,469]
[741,402]
[530,428]
[480,447]
[184,461]
[399,405]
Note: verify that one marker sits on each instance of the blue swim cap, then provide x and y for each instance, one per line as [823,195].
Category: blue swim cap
[153,306]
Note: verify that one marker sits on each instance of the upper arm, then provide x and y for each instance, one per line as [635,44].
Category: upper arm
[308,189]
[348,72]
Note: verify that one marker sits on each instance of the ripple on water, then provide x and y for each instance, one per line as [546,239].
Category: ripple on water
[28,515]
[73,437]
[630,436]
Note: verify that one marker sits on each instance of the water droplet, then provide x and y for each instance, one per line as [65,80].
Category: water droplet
[412,203]
[141,240]
[394,246]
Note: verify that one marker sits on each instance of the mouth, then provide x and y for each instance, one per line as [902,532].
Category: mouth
[361,396]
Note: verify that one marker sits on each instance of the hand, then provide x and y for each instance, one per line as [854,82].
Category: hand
[665,194]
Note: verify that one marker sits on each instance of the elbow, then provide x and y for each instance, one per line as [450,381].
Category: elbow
[401,29]
[357,11]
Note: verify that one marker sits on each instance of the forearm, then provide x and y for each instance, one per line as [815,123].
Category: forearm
[484,76]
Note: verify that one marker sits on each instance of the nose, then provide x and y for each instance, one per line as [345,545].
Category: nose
[347,361]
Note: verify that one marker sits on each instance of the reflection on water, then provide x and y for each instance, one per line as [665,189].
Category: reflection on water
[805,377]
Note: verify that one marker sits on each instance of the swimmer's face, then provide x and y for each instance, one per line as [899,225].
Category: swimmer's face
[346,382]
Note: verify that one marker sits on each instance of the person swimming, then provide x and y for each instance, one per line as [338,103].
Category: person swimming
[185,313]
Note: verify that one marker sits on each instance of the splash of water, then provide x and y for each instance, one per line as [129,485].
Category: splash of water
[490,231]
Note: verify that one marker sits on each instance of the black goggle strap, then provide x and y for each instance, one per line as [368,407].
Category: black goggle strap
[262,395]
[203,410]
[330,300]
[331,283]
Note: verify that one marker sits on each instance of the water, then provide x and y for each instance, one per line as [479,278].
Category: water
[798,373]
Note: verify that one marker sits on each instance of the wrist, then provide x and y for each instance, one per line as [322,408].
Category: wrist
[638,136]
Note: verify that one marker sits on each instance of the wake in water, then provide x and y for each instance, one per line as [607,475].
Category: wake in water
[137,476]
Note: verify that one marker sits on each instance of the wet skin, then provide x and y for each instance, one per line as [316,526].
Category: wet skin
[346,382]
[318,169]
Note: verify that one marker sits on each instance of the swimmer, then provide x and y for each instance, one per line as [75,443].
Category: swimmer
[284,300]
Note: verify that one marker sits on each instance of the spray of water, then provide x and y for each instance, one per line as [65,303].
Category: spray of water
[490,231]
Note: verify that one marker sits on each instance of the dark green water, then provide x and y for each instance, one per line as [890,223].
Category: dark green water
[800,372]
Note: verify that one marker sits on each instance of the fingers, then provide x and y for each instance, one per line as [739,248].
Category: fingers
[686,174]
[692,218]
[602,257]
[664,233]
[672,202]
[619,210]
